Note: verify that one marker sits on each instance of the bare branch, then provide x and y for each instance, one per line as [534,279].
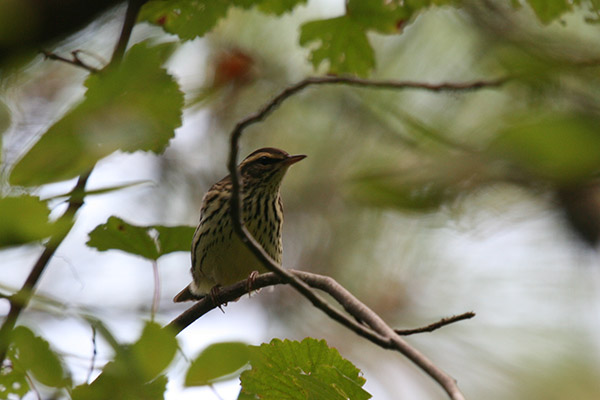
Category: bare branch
[384,336]
[436,325]
[75,60]
[378,331]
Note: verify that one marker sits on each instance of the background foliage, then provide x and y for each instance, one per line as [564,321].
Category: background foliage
[422,204]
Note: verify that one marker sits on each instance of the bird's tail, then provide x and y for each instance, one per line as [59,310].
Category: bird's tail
[186,295]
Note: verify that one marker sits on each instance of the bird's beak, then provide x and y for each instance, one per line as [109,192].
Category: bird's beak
[293,159]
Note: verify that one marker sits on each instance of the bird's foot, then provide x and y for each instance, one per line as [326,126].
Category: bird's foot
[215,296]
[250,282]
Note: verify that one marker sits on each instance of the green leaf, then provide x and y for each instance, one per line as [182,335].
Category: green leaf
[131,106]
[24,219]
[133,374]
[278,7]
[219,361]
[140,240]
[154,351]
[33,354]
[184,18]
[341,42]
[549,10]
[174,238]
[563,148]
[381,15]
[120,235]
[300,370]
[13,381]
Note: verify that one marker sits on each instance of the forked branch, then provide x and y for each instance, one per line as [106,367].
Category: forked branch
[376,331]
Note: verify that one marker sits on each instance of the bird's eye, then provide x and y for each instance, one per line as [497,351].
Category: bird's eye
[264,160]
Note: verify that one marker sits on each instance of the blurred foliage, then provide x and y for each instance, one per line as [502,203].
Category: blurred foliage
[24,220]
[118,99]
[217,362]
[139,240]
[387,168]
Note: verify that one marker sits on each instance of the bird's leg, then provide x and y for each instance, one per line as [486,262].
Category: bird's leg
[215,297]
[250,282]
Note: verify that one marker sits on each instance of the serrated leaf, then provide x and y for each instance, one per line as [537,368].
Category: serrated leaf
[380,15]
[134,105]
[342,43]
[120,235]
[219,361]
[33,354]
[184,18]
[301,370]
[24,220]
[562,148]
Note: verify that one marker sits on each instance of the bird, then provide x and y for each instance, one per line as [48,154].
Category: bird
[219,258]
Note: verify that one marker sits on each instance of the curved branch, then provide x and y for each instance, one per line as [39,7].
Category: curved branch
[387,338]
[378,331]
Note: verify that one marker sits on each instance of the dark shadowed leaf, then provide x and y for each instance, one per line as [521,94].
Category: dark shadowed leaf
[219,361]
[135,105]
[301,370]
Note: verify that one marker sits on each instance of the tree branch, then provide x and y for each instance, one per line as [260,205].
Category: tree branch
[436,325]
[20,300]
[75,60]
[381,334]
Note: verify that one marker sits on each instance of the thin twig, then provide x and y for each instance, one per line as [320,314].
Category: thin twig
[436,325]
[75,60]
[387,339]
[94,355]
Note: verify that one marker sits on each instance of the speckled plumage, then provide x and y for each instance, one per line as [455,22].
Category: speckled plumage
[218,256]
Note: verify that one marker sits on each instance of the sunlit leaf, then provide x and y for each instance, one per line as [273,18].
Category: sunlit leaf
[301,370]
[340,42]
[219,361]
[379,15]
[24,220]
[149,242]
[134,105]
[33,354]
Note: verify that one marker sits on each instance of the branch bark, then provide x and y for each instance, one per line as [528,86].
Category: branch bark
[380,333]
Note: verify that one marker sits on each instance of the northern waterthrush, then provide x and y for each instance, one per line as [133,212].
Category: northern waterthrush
[219,257]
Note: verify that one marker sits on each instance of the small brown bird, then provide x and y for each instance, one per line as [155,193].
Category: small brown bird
[219,257]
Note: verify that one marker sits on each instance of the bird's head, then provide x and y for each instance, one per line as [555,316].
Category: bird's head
[267,166]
